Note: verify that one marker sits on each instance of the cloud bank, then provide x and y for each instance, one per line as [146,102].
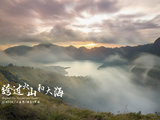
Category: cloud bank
[100,21]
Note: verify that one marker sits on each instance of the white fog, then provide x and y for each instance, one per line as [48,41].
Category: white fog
[115,91]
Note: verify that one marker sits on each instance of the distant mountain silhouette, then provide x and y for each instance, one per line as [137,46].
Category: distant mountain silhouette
[82,53]
[18,50]
[156,47]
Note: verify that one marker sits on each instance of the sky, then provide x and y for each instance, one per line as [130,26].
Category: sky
[88,23]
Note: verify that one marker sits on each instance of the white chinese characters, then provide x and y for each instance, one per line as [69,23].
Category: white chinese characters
[9,90]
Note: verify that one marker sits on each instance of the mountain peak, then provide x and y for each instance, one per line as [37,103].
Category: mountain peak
[45,45]
[18,50]
[157,41]
[156,47]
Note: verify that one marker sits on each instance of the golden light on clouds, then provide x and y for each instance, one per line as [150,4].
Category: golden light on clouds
[3,47]
[103,21]
[90,45]
[87,44]
[78,44]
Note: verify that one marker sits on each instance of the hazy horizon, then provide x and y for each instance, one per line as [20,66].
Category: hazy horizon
[92,23]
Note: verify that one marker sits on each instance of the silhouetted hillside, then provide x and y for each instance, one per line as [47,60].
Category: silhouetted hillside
[156,47]
[82,53]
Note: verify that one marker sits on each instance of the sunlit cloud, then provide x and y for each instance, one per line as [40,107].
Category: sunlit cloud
[87,44]
[114,22]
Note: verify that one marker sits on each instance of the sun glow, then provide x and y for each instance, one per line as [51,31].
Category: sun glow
[87,44]
[90,45]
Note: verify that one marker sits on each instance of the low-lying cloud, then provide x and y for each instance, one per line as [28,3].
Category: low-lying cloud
[117,89]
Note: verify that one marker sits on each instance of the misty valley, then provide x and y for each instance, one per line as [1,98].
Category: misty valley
[116,86]
[79,59]
[118,81]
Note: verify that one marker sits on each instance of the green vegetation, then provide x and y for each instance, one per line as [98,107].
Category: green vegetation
[51,108]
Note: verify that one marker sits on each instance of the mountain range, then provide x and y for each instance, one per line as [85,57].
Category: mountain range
[82,53]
